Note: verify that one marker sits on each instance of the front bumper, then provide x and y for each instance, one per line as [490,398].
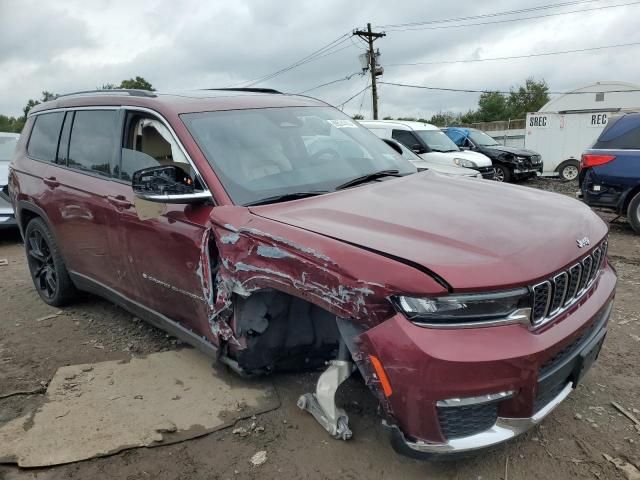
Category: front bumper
[504,429]
[426,365]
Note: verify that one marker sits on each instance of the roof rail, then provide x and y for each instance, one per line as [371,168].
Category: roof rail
[254,90]
[129,91]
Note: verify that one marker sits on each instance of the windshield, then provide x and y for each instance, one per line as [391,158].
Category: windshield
[481,138]
[7,147]
[263,153]
[437,140]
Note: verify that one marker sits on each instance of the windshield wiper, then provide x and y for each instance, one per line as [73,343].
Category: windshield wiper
[368,178]
[286,197]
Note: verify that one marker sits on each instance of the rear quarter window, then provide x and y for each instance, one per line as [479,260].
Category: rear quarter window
[43,142]
[622,133]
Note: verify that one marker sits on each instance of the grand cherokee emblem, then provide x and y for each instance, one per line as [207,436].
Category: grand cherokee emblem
[583,242]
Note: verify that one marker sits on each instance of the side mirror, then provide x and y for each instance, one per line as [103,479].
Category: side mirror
[418,149]
[167,184]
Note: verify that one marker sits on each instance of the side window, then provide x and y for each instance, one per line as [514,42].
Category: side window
[43,142]
[93,141]
[406,138]
[147,142]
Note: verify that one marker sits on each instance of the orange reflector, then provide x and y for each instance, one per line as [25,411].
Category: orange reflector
[382,375]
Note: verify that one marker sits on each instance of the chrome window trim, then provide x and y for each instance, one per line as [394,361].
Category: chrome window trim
[150,111]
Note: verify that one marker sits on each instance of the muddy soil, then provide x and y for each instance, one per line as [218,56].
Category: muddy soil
[569,444]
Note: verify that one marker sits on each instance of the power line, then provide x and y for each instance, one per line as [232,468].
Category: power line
[325,50]
[543,54]
[488,15]
[341,105]
[463,90]
[348,77]
[494,22]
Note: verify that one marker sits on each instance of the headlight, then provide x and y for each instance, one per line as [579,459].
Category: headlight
[520,159]
[463,162]
[474,309]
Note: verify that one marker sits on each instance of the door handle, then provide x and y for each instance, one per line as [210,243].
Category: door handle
[51,182]
[119,201]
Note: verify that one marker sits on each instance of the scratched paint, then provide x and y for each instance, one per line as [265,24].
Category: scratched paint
[272,252]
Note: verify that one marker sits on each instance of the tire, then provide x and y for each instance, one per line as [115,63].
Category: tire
[569,170]
[48,271]
[633,212]
[502,174]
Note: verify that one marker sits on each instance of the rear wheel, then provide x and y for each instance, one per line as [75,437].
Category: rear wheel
[502,174]
[48,272]
[569,170]
[633,212]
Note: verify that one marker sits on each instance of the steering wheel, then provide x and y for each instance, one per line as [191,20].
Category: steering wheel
[333,154]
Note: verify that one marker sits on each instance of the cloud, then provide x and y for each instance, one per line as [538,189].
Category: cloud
[77,45]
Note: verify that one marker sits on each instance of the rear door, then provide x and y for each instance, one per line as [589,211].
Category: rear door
[159,246]
[79,183]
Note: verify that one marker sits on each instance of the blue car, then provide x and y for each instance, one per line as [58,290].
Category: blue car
[610,170]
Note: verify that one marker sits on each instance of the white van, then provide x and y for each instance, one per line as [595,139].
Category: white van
[430,143]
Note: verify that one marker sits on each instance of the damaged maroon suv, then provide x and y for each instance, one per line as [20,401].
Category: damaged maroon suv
[273,232]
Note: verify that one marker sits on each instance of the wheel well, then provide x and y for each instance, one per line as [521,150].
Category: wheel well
[26,216]
[283,332]
[568,160]
[629,197]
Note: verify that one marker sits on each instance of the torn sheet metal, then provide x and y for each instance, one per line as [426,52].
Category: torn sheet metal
[94,410]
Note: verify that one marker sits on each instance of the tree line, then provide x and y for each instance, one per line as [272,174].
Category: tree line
[15,124]
[492,106]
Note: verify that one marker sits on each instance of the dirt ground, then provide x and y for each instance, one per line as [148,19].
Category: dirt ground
[569,444]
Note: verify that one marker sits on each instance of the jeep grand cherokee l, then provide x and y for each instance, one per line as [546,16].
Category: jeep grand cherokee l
[471,313]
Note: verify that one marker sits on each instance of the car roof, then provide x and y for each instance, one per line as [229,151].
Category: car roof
[180,102]
[409,125]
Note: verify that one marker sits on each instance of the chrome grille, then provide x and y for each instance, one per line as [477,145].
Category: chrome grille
[556,294]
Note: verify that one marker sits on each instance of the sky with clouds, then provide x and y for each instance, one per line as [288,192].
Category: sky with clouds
[71,45]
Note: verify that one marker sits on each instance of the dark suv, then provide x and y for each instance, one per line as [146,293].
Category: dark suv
[273,232]
[510,163]
[610,170]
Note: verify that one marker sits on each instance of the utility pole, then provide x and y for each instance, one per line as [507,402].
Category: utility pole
[370,37]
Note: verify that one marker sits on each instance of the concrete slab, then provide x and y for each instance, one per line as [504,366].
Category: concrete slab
[99,409]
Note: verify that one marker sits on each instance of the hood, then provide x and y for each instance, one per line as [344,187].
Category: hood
[476,235]
[447,157]
[498,149]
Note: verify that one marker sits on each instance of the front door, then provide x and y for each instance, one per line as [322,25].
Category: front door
[159,245]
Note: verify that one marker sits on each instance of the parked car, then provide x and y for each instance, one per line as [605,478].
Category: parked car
[422,164]
[8,142]
[510,163]
[610,170]
[430,143]
[471,309]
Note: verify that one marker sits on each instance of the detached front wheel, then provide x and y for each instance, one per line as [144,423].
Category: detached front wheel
[502,174]
[48,272]
[569,170]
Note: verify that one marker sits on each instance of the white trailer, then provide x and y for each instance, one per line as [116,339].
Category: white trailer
[562,137]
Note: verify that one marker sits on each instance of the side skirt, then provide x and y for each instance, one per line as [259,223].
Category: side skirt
[156,319]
